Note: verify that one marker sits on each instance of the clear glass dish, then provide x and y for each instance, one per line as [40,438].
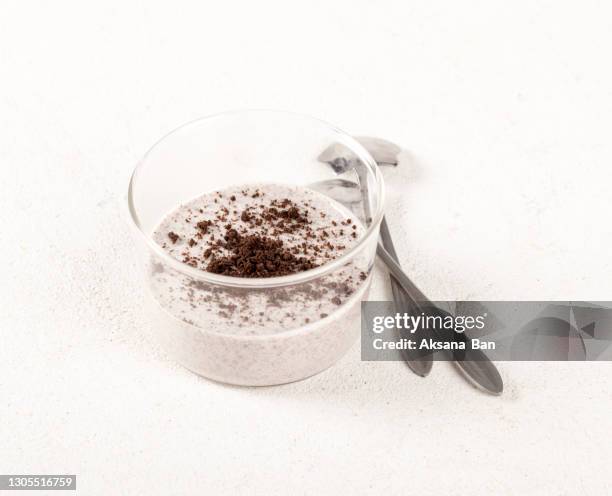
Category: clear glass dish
[254,147]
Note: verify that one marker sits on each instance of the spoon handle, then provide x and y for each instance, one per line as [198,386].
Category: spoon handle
[419,364]
[479,370]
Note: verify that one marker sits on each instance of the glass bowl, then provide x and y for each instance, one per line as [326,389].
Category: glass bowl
[279,329]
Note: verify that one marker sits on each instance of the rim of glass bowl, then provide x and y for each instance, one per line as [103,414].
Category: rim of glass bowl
[267,282]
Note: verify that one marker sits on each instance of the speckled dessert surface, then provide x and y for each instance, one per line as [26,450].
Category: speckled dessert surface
[257,231]
[306,222]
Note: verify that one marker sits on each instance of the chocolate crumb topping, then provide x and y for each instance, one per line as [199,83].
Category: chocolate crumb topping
[204,225]
[257,256]
[173,237]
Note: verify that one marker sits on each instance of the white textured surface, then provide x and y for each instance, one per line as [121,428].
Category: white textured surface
[506,110]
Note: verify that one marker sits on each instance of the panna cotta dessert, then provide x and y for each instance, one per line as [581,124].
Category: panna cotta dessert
[269,333]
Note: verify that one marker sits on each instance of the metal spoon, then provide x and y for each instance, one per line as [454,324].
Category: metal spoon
[419,363]
[477,368]
[474,364]
[341,159]
[349,194]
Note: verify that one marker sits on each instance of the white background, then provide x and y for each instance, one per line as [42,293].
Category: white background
[505,110]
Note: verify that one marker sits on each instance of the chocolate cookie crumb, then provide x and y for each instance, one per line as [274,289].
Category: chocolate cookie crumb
[173,237]
[204,225]
[257,256]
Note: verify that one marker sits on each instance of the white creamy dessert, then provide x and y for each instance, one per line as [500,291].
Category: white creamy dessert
[260,336]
